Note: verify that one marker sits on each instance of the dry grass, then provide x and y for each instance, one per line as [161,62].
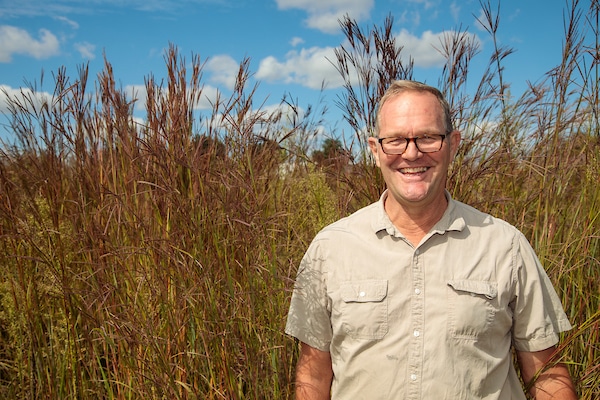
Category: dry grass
[156,261]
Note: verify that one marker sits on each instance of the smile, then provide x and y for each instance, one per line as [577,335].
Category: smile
[413,170]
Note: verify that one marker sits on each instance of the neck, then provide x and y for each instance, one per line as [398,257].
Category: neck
[414,221]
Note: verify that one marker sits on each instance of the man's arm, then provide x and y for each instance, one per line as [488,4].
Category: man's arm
[313,374]
[552,383]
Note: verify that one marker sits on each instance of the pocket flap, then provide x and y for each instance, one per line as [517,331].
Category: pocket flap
[364,291]
[484,288]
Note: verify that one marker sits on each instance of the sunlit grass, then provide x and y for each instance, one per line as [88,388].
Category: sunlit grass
[156,261]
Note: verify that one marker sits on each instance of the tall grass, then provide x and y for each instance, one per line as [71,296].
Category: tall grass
[156,260]
[149,261]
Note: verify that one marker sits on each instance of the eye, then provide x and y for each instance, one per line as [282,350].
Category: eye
[397,141]
[427,138]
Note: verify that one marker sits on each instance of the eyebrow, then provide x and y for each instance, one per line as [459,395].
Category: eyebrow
[425,133]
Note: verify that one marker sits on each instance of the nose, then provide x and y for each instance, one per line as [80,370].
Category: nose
[412,151]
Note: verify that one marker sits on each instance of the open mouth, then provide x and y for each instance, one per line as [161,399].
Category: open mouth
[414,170]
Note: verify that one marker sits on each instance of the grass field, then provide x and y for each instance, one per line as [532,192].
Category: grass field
[156,261]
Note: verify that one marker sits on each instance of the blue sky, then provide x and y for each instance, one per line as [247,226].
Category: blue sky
[289,42]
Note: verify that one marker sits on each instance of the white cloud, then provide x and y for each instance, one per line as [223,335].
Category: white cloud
[311,67]
[23,96]
[15,40]
[223,70]
[86,50]
[287,114]
[421,49]
[308,67]
[271,70]
[325,14]
[137,93]
[296,41]
[5,91]
[208,98]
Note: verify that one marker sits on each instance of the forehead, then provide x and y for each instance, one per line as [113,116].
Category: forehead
[412,111]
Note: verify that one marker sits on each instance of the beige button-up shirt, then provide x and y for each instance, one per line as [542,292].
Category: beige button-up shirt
[432,322]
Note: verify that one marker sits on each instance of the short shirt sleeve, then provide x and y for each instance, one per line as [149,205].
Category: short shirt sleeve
[538,313]
[310,311]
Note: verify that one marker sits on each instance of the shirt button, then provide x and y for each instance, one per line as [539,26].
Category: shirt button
[362,294]
[413,377]
[417,291]
[417,333]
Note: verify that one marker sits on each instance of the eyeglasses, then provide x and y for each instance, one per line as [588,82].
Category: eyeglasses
[425,144]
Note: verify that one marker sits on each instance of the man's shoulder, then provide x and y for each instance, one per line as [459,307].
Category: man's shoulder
[357,222]
[476,218]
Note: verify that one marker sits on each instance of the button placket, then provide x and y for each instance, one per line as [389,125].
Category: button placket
[417,319]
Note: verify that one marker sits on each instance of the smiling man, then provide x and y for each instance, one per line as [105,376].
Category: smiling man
[419,296]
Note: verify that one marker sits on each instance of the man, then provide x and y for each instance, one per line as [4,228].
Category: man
[419,296]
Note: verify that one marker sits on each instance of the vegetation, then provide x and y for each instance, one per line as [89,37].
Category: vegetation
[157,260]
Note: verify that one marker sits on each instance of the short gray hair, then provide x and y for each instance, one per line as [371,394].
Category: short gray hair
[400,86]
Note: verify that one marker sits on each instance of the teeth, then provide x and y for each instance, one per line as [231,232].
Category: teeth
[413,170]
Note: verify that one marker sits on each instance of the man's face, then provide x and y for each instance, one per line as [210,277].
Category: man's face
[414,179]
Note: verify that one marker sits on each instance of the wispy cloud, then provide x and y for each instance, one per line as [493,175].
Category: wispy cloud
[427,4]
[455,11]
[296,41]
[33,8]
[15,40]
[410,17]
[86,50]
[67,21]
[68,7]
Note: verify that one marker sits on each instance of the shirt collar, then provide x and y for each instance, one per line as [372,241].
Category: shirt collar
[450,221]
[382,221]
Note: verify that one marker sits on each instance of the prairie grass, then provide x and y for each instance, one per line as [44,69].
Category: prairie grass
[156,261]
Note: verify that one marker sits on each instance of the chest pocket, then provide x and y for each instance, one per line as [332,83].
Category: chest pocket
[364,308]
[471,307]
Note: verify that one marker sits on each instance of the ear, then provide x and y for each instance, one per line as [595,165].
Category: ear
[455,138]
[374,147]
